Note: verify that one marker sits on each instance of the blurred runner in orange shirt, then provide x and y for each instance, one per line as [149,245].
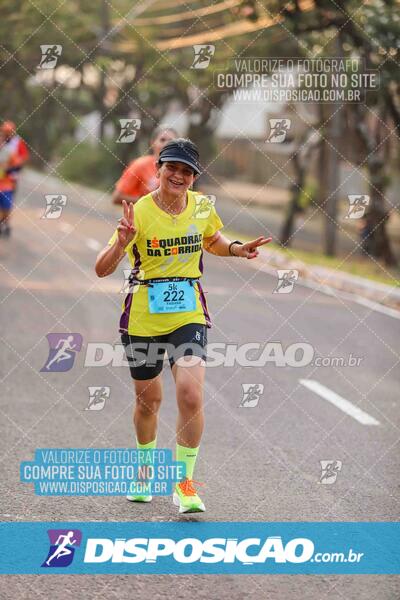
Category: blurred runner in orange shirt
[18,146]
[139,178]
[14,154]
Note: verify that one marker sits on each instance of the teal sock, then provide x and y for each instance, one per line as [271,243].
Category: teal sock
[187,456]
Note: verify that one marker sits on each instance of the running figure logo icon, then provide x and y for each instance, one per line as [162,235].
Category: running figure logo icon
[129,129]
[62,547]
[329,471]
[62,349]
[54,206]
[278,130]
[50,55]
[129,287]
[97,397]
[251,394]
[357,205]
[202,55]
[286,280]
[203,206]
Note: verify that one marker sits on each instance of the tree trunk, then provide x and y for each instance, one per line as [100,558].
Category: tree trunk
[104,29]
[293,207]
[301,160]
[377,214]
[333,166]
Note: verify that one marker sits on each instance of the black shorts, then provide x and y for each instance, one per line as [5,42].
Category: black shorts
[145,355]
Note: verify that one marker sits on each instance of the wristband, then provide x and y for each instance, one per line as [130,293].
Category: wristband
[231,244]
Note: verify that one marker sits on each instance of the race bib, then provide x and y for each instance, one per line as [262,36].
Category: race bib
[171,297]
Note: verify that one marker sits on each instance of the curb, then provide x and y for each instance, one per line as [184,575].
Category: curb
[378,292]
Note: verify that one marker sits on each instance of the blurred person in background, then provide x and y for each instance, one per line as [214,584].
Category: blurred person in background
[14,154]
[5,154]
[17,145]
[139,178]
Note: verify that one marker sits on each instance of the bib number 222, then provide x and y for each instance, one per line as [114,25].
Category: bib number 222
[171,297]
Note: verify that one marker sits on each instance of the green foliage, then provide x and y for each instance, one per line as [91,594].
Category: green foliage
[94,166]
[127,73]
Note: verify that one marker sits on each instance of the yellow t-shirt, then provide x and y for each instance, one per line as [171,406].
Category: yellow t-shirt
[167,246]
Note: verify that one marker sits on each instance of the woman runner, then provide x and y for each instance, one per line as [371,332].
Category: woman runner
[164,235]
[140,176]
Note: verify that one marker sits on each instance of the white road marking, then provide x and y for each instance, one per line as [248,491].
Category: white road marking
[93,244]
[344,405]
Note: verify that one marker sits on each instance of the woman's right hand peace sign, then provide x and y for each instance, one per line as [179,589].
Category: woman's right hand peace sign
[126,227]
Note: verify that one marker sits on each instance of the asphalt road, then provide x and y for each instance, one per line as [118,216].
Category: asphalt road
[259,463]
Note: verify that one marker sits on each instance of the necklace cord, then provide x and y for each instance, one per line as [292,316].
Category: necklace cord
[163,206]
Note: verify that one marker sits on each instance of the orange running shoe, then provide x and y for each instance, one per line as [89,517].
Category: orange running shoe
[185,496]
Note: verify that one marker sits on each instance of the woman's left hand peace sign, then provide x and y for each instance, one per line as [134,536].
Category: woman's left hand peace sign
[249,249]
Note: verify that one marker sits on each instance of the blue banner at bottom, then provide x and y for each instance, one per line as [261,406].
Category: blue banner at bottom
[199,548]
